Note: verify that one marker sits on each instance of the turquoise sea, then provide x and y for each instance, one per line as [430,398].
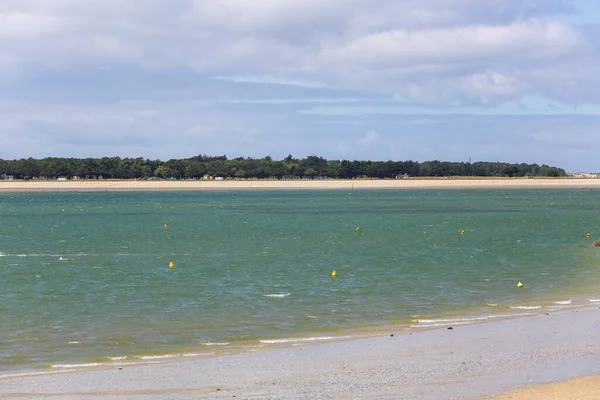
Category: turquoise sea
[85,277]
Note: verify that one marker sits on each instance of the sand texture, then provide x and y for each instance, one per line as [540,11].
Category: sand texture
[586,388]
[433,183]
[467,362]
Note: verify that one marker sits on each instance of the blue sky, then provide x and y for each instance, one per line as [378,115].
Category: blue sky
[492,80]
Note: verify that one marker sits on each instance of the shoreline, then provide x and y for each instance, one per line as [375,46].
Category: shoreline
[465,317]
[306,338]
[358,184]
[476,361]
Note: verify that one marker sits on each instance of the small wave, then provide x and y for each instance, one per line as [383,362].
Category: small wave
[89,364]
[83,365]
[595,300]
[460,321]
[278,295]
[215,344]
[159,357]
[61,256]
[74,342]
[301,340]
[563,302]
[436,325]
[165,356]
[492,304]
[526,307]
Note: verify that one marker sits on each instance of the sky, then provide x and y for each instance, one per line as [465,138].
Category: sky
[451,80]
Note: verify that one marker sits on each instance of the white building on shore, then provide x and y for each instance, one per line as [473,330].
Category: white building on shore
[582,175]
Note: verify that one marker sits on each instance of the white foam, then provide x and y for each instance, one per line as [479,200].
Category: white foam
[460,321]
[74,342]
[563,302]
[278,295]
[300,340]
[85,365]
[214,343]
[166,356]
[94,364]
[440,324]
[492,304]
[158,357]
[595,300]
[526,307]
[61,256]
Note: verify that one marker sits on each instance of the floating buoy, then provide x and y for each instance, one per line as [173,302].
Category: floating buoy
[589,235]
[462,232]
[334,273]
[519,284]
[358,229]
[171,265]
[165,225]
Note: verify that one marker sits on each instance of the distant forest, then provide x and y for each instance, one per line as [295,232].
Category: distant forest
[311,167]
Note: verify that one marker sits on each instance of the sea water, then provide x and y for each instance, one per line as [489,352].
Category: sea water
[85,277]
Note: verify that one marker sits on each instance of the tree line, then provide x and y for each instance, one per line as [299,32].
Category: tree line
[311,167]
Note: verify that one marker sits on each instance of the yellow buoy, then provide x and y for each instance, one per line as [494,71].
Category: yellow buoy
[171,265]
[165,225]
[462,232]
[519,284]
[334,273]
[589,235]
[358,229]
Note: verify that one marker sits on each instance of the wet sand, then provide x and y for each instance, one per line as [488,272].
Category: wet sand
[411,183]
[466,362]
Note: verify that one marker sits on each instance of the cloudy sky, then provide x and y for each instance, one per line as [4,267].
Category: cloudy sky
[492,80]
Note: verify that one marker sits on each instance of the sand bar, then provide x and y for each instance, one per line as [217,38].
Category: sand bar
[411,183]
[467,362]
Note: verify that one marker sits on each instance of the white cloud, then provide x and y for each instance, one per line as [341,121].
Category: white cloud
[278,37]
[271,80]
[531,39]
[490,83]
[326,66]
[22,25]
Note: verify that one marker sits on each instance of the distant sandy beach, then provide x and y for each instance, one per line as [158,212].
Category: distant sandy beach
[414,183]
[477,361]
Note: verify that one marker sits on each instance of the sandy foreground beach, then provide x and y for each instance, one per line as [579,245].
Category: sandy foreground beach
[476,361]
[433,183]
